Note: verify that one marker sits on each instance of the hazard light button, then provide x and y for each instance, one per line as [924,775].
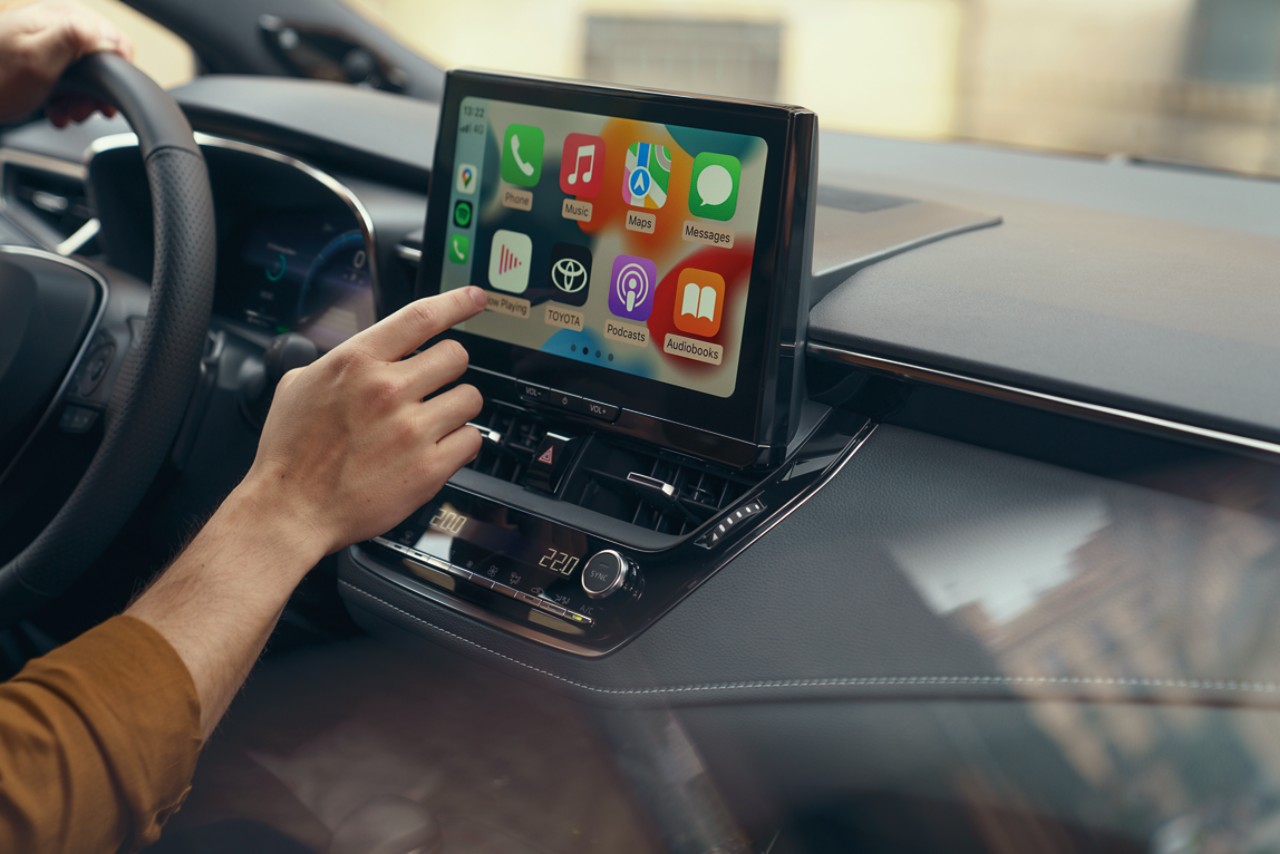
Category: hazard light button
[551,461]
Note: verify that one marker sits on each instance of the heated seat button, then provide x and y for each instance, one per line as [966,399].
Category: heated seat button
[550,461]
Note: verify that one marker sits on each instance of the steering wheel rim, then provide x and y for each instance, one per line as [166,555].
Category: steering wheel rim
[150,397]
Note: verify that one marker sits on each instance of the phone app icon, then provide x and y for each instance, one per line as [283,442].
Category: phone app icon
[509,256]
[462,214]
[631,287]
[713,192]
[582,165]
[699,302]
[522,155]
[459,248]
[468,178]
[570,273]
[647,175]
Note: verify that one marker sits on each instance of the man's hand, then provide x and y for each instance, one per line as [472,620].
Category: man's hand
[37,42]
[349,448]
[348,451]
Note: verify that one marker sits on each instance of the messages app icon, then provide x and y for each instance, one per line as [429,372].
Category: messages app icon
[713,192]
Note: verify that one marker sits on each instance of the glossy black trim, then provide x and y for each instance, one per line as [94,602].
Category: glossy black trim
[1097,412]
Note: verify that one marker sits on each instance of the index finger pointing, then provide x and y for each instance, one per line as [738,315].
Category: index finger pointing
[401,333]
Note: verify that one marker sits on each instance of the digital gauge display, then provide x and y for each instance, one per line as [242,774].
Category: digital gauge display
[491,540]
[305,272]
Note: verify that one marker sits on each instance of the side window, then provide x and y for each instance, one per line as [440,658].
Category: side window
[160,53]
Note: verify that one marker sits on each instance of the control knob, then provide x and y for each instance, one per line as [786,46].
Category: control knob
[605,573]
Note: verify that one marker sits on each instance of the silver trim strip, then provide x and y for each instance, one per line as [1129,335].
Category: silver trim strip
[34,161]
[56,401]
[408,253]
[339,189]
[79,238]
[43,162]
[1042,400]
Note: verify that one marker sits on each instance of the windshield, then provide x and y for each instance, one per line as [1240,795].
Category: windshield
[1185,81]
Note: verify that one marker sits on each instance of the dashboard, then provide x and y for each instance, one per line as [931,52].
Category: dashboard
[298,270]
[1017,551]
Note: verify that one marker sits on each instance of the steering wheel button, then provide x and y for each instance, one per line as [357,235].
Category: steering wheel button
[77,419]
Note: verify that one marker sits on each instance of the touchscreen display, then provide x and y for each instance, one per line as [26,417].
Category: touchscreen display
[614,242]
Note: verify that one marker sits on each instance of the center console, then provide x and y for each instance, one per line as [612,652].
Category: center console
[646,260]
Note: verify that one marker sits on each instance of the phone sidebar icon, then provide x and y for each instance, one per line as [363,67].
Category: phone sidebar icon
[459,248]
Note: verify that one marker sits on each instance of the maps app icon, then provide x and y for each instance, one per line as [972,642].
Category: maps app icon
[466,178]
[648,173]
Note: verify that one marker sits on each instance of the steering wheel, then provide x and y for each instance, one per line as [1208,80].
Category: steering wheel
[152,363]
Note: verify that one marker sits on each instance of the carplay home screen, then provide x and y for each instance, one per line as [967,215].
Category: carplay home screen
[607,241]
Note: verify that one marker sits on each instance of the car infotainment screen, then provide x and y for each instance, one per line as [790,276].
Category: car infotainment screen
[622,243]
[637,248]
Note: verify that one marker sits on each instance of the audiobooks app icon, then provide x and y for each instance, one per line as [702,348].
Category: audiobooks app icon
[509,256]
[699,302]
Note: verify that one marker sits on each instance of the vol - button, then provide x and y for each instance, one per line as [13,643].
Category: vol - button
[532,393]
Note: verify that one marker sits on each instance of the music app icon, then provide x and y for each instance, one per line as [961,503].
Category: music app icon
[582,165]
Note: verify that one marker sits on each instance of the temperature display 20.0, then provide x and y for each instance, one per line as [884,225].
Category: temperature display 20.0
[448,521]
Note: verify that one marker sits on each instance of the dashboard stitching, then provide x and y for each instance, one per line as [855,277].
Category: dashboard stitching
[1229,685]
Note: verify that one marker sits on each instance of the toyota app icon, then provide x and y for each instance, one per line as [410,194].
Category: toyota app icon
[570,273]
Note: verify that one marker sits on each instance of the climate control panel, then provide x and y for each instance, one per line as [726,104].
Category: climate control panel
[573,589]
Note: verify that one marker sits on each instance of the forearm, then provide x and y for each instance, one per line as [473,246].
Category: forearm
[218,602]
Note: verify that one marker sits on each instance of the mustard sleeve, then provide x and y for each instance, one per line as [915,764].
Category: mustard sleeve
[98,742]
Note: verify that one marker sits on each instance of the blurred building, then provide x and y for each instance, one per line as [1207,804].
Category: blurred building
[1187,81]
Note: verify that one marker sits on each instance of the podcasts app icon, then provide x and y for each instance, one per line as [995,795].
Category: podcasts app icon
[631,287]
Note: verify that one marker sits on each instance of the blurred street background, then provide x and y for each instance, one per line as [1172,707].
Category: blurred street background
[1194,82]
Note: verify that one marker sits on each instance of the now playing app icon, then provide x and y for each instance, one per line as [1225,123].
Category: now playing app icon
[509,256]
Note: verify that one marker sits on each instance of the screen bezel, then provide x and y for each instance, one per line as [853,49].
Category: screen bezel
[654,409]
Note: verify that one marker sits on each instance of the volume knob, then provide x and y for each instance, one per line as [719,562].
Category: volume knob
[605,573]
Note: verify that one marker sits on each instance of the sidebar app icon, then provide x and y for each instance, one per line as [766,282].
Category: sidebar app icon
[468,177]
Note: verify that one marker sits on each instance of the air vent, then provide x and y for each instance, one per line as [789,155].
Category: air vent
[511,437]
[57,201]
[640,485]
[653,489]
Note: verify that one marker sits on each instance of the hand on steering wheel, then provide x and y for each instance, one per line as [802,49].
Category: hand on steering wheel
[38,41]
